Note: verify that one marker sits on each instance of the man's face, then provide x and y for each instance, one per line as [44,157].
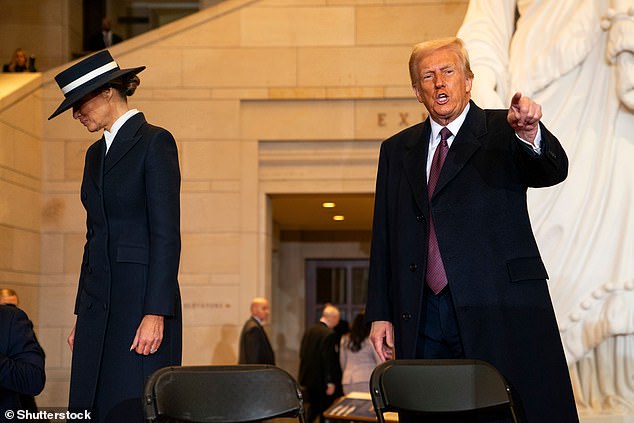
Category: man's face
[333,320]
[10,299]
[261,311]
[442,85]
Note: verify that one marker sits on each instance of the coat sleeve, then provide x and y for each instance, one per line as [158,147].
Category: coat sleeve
[22,364]
[329,358]
[544,170]
[252,343]
[379,304]
[162,175]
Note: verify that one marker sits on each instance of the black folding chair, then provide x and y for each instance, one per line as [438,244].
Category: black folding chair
[441,387]
[221,394]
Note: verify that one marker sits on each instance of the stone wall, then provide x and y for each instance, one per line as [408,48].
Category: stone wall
[263,97]
[21,188]
[49,29]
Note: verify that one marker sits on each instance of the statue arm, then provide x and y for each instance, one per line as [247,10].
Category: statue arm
[487,30]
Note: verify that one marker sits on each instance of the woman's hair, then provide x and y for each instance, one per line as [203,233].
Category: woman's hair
[427,47]
[125,85]
[358,333]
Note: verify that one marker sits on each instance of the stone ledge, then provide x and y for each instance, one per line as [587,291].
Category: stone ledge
[16,86]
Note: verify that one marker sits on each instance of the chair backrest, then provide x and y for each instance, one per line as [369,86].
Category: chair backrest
[222,394]
[438,386]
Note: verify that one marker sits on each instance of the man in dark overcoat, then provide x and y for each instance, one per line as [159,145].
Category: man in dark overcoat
[255,347]
[318,360]
[455,270]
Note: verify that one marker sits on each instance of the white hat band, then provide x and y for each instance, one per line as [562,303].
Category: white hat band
[90,75]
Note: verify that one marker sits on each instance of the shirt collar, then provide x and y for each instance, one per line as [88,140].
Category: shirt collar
[110,135]
[453,126]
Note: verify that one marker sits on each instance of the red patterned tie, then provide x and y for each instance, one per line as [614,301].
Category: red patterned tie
[436,277]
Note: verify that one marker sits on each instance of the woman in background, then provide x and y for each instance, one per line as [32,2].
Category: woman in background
[19,62]
[357,357]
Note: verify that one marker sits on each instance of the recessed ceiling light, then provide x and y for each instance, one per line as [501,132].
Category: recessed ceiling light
[338,217]
[328,205]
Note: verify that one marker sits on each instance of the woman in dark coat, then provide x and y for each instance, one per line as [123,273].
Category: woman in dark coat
[128,302]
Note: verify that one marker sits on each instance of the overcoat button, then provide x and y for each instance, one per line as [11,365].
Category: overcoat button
[412,267]
[406,316]
[420,218]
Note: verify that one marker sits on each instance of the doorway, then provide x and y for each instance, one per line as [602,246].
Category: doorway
[341,282]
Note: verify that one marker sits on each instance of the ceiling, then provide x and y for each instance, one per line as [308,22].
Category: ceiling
[304,212]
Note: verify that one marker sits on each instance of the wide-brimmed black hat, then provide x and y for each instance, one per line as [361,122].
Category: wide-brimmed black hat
[86,76]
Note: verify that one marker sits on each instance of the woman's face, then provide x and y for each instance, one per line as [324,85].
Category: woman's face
[93,111]
[20,58]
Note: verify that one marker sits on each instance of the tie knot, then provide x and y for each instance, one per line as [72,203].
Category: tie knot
[445,134]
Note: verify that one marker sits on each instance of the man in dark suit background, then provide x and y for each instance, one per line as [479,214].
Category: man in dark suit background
[21,360]
[255,347]
[455,270]
[104,38]
[318,361]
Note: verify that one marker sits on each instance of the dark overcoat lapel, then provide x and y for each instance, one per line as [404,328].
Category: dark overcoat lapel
[126,139]
[95,161]
[465,144]
[416,147]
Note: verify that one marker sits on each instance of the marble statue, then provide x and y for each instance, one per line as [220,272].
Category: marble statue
[575,58]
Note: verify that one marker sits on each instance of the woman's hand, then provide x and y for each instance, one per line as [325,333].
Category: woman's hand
[149,335]
[71,338]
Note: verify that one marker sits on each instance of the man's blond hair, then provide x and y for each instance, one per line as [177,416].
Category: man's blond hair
[425,48]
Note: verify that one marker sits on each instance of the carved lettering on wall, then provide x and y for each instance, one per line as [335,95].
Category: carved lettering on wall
[205,305]
[399,119]
[380,117]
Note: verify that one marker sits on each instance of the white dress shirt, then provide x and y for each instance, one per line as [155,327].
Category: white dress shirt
[109,135]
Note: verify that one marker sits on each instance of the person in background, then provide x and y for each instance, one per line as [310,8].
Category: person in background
[8,296]
[104,38]
[128,304]
[317,363]
[22,374]
[255,347]
[342,328]
[357,357]
[19,62]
